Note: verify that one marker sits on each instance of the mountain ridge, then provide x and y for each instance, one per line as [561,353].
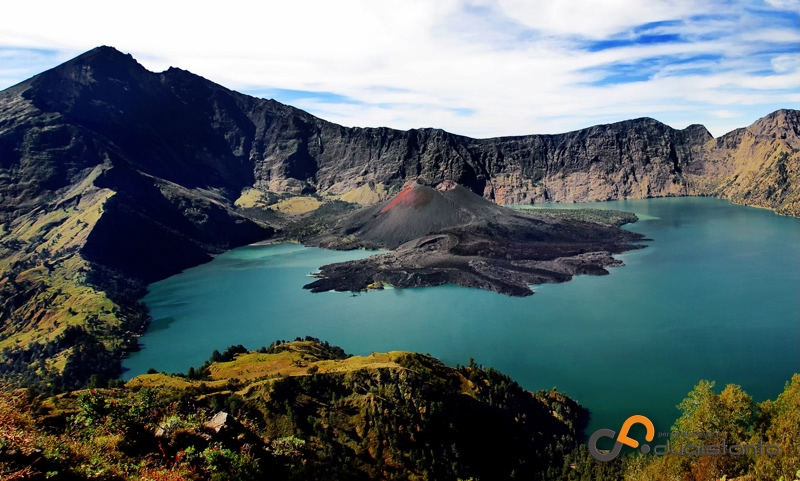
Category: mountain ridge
[112,176]
[639,157]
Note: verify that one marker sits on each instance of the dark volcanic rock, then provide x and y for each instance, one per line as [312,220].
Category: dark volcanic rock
[416,211]
[457,237]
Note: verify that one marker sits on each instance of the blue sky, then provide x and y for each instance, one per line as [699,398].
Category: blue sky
[481,68]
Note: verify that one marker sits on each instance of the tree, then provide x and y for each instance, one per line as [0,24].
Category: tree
[779,424]
[729,413]
[727,417]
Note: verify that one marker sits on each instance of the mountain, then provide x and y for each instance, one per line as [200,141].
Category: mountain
[419,210]
[757,165]
[112,177]
[182,128]
[447,234]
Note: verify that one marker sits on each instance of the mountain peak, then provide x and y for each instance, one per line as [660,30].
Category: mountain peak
[105,59]
[780,123]
[103,52]
[99,63]
[103,73]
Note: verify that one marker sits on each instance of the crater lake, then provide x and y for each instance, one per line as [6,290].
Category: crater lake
[714,296]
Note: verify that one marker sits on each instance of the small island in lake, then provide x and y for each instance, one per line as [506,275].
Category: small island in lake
[446,234]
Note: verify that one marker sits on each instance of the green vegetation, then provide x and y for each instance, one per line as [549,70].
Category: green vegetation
[58,327]
[119,434]
[301,410]
[285,203]
[366,194]
[602,216]
[297,205]
[307,410]
[734,414]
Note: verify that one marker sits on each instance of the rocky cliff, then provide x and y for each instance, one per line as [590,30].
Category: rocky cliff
[112,176]
[184,129]
[757,165]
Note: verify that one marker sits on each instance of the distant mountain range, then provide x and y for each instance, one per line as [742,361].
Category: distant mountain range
[112,176]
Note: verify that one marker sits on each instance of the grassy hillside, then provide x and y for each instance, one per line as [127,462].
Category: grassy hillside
[52,317]
[305,410]
[73,268]
[299,410]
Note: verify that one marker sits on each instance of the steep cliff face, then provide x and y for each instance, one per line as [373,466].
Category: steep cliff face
[173,154]
[101,169]
[757,165]
[184,129]
[636,158]
[632,159]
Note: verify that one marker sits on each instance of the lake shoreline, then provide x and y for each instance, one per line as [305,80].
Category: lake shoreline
[674,315]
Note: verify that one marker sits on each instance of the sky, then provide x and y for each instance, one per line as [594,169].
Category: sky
[481,68]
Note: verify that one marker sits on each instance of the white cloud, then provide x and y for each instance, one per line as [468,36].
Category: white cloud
[786,63]
[519,67]
[784,35]
[784,4]
[724,114]
[599,18]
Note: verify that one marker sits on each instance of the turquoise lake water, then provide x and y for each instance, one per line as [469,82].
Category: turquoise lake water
[715,295]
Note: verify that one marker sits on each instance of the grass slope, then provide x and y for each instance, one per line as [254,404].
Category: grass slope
[300,410]
[305,410]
